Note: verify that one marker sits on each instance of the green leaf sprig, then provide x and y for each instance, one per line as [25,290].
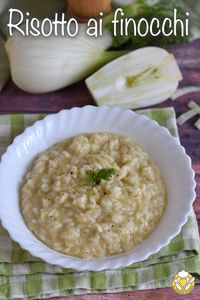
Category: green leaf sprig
[161,10]
[94,177]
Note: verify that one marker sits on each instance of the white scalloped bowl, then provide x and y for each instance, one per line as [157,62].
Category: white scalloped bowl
[155,140]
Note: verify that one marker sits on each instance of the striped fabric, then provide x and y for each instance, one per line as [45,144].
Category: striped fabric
[25,277]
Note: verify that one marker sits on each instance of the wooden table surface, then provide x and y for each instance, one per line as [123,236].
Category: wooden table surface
[12,100]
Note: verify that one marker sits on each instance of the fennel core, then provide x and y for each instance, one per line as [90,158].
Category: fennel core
[148,75]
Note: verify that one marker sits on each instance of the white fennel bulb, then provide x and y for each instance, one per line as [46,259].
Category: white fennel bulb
[40,65]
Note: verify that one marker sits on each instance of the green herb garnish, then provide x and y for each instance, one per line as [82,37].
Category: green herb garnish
[94,177]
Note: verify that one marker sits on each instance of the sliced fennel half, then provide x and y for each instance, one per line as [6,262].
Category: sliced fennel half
[141,78]
[40,65]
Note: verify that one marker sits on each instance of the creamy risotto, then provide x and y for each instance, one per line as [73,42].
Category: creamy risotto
[71,215]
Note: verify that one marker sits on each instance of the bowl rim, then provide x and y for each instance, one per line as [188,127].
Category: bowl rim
[53,257]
